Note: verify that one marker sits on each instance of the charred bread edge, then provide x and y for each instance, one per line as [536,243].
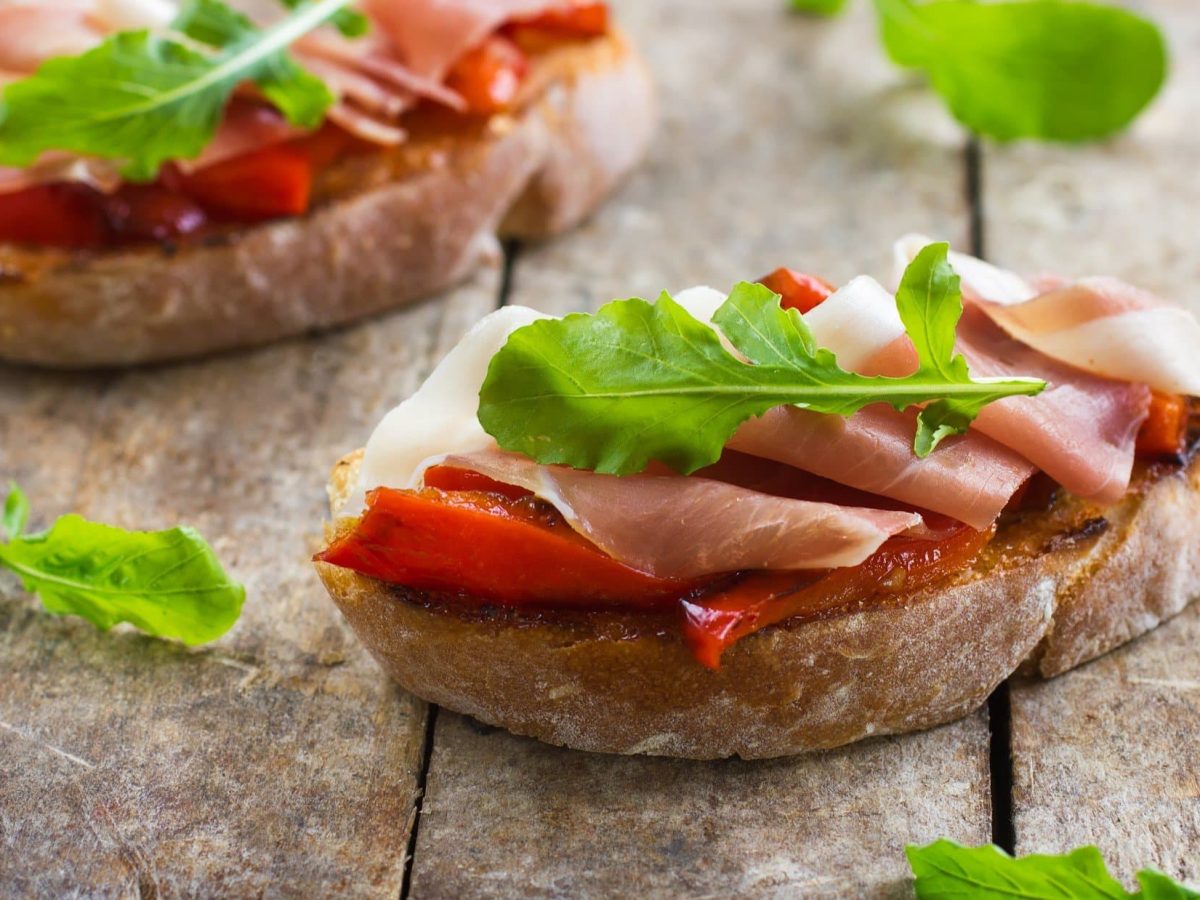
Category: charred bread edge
[529,175]
[930,659]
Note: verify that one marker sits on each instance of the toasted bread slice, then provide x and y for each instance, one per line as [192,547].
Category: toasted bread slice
[387,228]
[1054,589]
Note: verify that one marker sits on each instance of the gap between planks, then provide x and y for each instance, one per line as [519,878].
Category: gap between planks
[1000,761]
[512,252]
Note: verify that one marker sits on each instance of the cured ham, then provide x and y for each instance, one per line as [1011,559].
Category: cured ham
[31,33]
[1100,325]
[969,478]
[1081,430]
[1109,328]
[685,527]
[666,525]
[375,78]
[430,35]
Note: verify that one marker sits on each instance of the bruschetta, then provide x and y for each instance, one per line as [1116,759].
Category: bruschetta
[579,554]
[445,125]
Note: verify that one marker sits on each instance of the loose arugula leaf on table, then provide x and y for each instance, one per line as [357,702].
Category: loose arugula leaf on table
[16,513]
[638,382]
[167,583]
[945,869]
[143,99]
[1056,70]
[819,7]
[1157,886]
[1049,69]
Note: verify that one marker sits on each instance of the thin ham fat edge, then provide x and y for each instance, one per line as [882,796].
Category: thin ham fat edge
[429,35]
[1102,326]
[375,78]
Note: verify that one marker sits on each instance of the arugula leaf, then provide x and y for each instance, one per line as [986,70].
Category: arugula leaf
[16,512]
[144,99]
[1157,886]
[167,583]
[929,301]
[1050,69]
[299,95]
[819,7]
[349,22]
[638,382]
[947,869]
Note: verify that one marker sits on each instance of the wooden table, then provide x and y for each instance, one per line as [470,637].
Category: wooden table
[280,761]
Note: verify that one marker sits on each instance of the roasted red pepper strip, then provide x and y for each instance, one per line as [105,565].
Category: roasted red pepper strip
[1164,433]
[797,290]
[714,623]
[574,18]
[267,184]
[54,215]
[489,77]
[492,547]
[449,478]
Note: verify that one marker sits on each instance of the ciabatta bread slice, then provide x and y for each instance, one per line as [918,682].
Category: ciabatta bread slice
[1055,588]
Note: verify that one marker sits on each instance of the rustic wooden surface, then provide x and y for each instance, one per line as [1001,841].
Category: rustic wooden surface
[1109,753]
[280,762]
[789,156]
[275,761]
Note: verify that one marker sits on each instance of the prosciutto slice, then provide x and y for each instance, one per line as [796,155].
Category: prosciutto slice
[676,527]
[969,478]
[32,32]
[1080,430]
[375,78]
[667,525]
[430,35]
[1100,325]
[1109,328]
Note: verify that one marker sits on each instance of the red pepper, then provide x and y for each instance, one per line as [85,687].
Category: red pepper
[151,212]
[266,184]
[798,290]
[712,624]
[1164,433]
[492,547]
[55,215]
[574,18]
[448,478]
[489,77]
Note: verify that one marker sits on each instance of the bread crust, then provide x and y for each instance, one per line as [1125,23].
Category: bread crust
[412,224]
[1047,597]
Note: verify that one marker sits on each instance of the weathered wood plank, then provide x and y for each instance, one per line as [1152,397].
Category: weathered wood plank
[508,817]
[279,759]
[784,141]
[1107,754]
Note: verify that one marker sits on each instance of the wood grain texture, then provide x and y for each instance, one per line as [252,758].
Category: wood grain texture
[508,817]
[785,141]
[1107,754]
[278,760]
